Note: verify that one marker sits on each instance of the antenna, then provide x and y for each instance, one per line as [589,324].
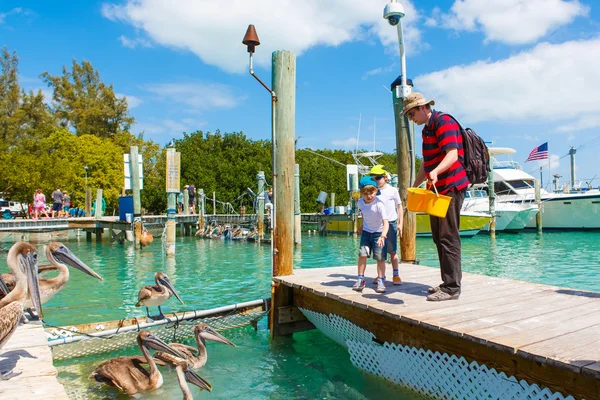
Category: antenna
[374,119]
[358,134]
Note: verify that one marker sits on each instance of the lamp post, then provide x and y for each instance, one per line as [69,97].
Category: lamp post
[405,143]
[251,41]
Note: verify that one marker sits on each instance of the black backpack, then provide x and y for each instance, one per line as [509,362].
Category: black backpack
[477,156]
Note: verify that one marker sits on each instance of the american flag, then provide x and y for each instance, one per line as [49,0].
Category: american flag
[539,153]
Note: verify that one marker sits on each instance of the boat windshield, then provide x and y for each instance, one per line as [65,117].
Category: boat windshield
[509,187]
[476,193]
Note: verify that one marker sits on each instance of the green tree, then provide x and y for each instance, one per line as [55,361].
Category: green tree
[86,104]
[10,96]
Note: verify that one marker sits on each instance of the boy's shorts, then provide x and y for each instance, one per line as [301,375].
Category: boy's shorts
[391,242]
[56,206]
[368,246]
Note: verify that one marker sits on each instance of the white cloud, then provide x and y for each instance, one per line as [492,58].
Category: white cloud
[349,143]
[552,82]
[14,11]
[135,42]
[132,101]
[214,30]
[197,96]
[510,21]
[168,128]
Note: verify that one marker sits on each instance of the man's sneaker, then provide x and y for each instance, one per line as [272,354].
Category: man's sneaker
[432,290]
[380,286]
[442,296]
[359,285]
[396,280]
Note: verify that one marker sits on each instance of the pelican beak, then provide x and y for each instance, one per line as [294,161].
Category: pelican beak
[155,343]
[197,380]
[210,334]
[66,256]
[33,283]
[3,287]
[166,282]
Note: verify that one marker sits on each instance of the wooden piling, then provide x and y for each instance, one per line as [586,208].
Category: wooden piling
[538,200]
[404,155]
[284,108]
[260,205]
[297,215]
[135,180]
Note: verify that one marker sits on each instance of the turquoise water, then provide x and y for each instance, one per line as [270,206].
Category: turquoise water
[212,273]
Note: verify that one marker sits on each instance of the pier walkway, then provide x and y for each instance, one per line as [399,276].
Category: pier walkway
[27,351]
[546,335]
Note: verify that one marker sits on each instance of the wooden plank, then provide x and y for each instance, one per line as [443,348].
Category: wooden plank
[289,314]
[27,352]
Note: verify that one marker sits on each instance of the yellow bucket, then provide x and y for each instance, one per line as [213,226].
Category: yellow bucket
[423,200]
[437,204]
[417,199]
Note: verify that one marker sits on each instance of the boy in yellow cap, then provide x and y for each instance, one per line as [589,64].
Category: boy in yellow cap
[393,207]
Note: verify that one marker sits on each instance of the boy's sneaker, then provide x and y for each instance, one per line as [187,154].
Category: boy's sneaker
[380,286]
[359,285]
[397,281]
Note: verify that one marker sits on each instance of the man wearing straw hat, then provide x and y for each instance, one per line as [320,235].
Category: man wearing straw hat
[442,166]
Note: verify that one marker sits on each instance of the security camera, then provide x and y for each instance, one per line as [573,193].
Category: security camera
[393,12]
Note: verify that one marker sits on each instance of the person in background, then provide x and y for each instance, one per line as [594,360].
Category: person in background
[192,198]
[393,207]
[39,204]
[442,166]
[57,198]
[373,232]
[66,203]
[180,201]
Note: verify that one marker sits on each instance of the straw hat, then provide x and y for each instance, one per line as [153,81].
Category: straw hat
[414,100]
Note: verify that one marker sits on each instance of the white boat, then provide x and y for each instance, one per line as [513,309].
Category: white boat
[510,217]
[579,210]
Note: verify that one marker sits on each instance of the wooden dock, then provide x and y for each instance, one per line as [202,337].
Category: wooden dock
[546,335]
[28,352]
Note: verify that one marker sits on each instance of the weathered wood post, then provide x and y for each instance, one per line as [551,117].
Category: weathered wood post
[99,214]
[297,214]
[538,200]
[214,203]
[492,199]
[186,202]
[88,202]
[260,205]
[405,157]
[201,201]
[284,98]
[172,189]
[332,202]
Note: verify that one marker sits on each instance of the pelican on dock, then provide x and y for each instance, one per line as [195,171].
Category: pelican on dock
[184,374]
[127,373]
[156,295]
[196,358]
[22,260]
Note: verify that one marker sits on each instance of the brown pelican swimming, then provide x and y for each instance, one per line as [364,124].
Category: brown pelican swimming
[196,358]
[59,256]
[127,373]
[184,373]
[156,295]
[22,260]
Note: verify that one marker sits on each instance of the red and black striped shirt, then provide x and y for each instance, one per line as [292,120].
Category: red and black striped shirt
[441,134]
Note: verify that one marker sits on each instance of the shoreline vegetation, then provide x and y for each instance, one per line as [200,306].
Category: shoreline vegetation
[48,142]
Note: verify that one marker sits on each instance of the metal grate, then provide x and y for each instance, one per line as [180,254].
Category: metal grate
[434,374]
[175,332]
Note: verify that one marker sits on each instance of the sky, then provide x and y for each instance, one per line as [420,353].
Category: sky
[519,72]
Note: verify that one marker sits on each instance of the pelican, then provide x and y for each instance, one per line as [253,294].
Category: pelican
[59,255]
[127,373]
[22,260]
[184,373]
[9,279]
[202,332]
[156,295]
